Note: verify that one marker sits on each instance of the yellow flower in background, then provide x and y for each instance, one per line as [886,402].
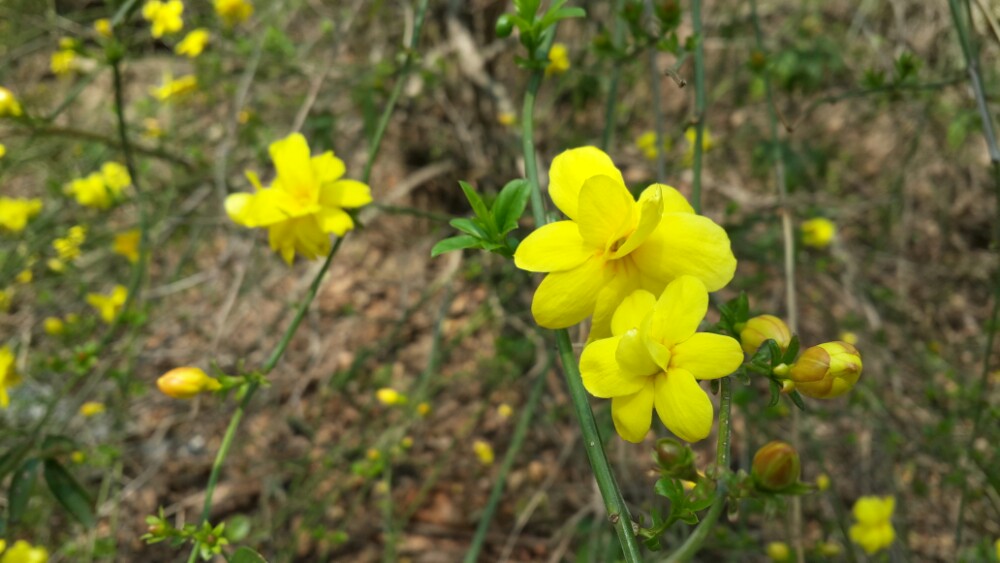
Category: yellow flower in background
[63,62]
[612,244]
[91,408]
[304,204]
[186,382]
[164,16]
[654,360]
[823,482]
[8,375]
[691,135]
[193,43]
[830,549]
[505,411]
[3,150]
[484,451]
[818,232]
[506,118]
[53,326]
[127,244]
[389,397]
[25,276]
[778,551]
[233,12]
[151,128]
[89,191]
[16,212]
[873,530]
[103,27]
[172,88]
[558,59]
[849,337]
[108,306]
[9,106]
[68,247]
[647,144]
[24,552]
[116,177]
[424,409]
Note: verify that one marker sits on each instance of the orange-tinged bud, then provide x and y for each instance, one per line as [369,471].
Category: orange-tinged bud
[186,382]
[827,370]
[762,328]
[776,466]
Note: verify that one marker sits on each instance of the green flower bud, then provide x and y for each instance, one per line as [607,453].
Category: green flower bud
[764,327]
[776,466]
[827,370]
[504,26]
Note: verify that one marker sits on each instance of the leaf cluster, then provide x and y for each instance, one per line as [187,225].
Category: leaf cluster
[490,228]
[535,29]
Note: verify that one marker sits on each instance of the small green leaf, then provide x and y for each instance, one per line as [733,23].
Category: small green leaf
[455,243]
[793,350]
[247,555]
[775,389]
[69,492]
[510,205]
[469,227]
[478,207]
[21,485]
[797,399]
[13,457]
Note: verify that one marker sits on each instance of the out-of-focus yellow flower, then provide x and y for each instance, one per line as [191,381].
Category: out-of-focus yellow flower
[16,212]
[3,150]
[506,118]
[166,17]
[193,43]
[25,276]
[762,328]
[691,135]
[373,454]
[818,232]
[56,265]
[406,443]
[243,117]
[424,409]
[78,457]
[823,482]
[63,62]
[68,247]
[24,552]
[171,88]
[116,177]
[8,375]
[9,106]
[186,382]
[151,128]
[53,326]
[873,530]
[778,551]
[849,337]
[233,12]
[647,144]
[827,370]
[305,203]
[558,59]
[91,408]
[613,245]
[103,27]
[505,411]
[830,549]
[108,306]
[127,244]
[390,397]
[484,452]
[90,191]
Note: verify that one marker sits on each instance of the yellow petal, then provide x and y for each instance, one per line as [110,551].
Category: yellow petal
[633,414]
[606,211]
[622,279]
[632,311]
[679,311]
[651,212]
[552,248]
[327,167]
[571,169]
[633,357]
[261,209]
[690,244]
[601,374]
[291,160]
[683,405]
[673,200]
[566,298]
[333,220]
[345,193]
[707,355]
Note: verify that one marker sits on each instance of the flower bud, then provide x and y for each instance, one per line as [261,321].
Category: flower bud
[762,328]
[675,459]
[186,382]
[827,370]
[776,466]
[504,26]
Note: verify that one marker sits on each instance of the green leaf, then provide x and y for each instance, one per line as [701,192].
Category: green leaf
[797,399]
[69,493]
[469,227]
[455,243]
[13,457]
[793,350]
[510,205]
[478,207]
[21,485]
[775,389]
[247,555]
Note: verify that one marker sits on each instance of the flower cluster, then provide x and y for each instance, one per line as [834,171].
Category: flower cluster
[165,17]
[16,212]
[8,375]
[873,530]
[100,189]
[108,306]
[233,12]
[9,106]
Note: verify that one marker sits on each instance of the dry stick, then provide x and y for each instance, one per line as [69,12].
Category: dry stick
[972,66]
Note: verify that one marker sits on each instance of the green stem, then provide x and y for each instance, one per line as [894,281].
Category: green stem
[616,73]
[528,146]
[699,102]
[725,427]
[693,543]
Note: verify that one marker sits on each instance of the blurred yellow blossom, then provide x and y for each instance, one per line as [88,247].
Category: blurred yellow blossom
[63,62]
[24,552]
[506,118]
[68,247]
[103,27]
[233,11]
[304,204]
[164,16]
[175,88]
[127,244]
[830,549]
[78,457]
[25,276]
[91,408]
[9,106]
[484,451]
[3,150]
[373,454]
[186,382]
[818,232]
[193,43]
[778,551]
[647,144]
[558,59]
[151,128]
[16,212]
[691,135]
[406,443]
[849,337]
[389,396]
[243,117]
[108,306]
[53,326]
[505,411]
[873,530]
[56,265]
[823,482]
[424,409]
[116,177]
[8,375]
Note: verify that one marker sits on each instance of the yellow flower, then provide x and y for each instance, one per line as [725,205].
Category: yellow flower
[654,360]
[691,135]
[152,128]
[90,191]
[53,326]
[171,88]
[3,150]
[193,43]
[558,59]
[827,370]
[233,11]
[115,177]
[484,451]
[91,408]
[56,265]
[304,204]
[506,118]
[103,27]
[424,409]
[389,397]
[24,552]
[68,247]
[778,551]
[764,327]
[818,232]
[127,244]
[186,382]
[78,457]
[849,337]
[9,105]
[823,482]
[165,16]
[16,212]
[108,305]
[830,549]
[25,276]
[873,530]
[647,144]
[8,375]
[612,244]
[505,411]
[63,62]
